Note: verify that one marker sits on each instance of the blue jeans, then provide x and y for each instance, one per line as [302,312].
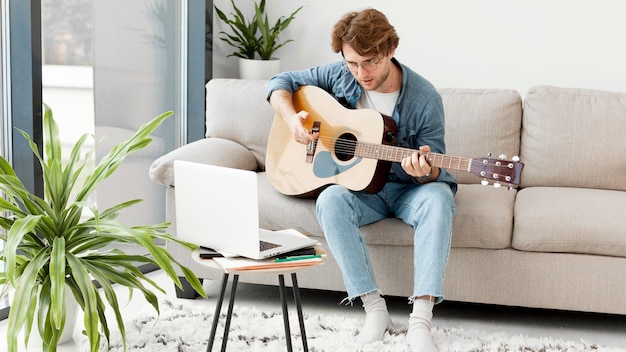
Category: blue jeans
[429,208]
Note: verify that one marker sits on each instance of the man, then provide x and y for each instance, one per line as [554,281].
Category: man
[415,192]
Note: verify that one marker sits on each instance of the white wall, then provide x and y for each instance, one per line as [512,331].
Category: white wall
[471,44]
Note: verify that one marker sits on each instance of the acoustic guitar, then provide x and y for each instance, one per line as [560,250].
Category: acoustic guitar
[355,149]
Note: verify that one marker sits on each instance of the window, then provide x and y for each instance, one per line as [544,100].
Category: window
[109,66]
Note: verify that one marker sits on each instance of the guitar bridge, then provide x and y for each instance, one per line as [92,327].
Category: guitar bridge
[312,146]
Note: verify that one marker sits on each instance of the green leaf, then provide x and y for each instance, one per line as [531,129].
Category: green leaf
[51,135]
[5,168]
[43,312]
[57,279]
[110,295]
[47,328]
[114,210]
[193,280]
[89,305]
[24,300]
[5,205]
[116,156]
[20,228]
[268,44]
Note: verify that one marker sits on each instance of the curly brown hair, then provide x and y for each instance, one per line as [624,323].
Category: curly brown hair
[368,32]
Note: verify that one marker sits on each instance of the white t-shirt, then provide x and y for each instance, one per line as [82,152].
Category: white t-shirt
[381,102]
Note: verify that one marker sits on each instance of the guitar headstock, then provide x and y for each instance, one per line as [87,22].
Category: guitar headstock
[497,171]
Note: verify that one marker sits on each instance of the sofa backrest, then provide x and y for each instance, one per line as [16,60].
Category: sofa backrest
[236,109]
[481,121]
[574,138]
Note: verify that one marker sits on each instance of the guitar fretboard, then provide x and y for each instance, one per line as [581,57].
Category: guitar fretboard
[396,154]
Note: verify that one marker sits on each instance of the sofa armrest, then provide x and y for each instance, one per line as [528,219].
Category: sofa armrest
[213,151]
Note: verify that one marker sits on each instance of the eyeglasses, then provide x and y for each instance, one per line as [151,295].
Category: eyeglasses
[367,65]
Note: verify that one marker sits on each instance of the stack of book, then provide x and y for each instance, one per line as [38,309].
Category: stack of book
[243,264]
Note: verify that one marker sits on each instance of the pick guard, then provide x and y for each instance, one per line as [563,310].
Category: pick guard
[324,165]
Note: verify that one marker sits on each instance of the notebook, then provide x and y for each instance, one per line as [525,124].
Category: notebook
[217,207]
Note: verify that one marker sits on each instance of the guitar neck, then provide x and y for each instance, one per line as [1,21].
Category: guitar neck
[396,154]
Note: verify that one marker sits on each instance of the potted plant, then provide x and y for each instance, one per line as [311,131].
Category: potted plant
[255,39]
[51,249]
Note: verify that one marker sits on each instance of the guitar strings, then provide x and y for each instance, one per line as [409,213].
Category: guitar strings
[392,153]
[374,150]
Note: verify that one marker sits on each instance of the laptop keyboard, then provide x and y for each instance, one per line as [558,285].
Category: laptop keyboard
[264,245]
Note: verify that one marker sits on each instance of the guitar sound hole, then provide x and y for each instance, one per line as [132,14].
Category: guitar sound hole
[345,146]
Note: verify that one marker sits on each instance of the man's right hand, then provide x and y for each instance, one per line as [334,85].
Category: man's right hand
[296,126]
[282,103]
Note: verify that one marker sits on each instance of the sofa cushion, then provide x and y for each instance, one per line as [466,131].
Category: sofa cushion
[574,138]
[244,117]
[483,218]
[213,151]
[481,121]
[570,220]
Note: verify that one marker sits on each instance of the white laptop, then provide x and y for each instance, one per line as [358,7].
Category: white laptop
[217,207]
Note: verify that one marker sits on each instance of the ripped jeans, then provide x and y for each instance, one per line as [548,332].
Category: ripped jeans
[429,208]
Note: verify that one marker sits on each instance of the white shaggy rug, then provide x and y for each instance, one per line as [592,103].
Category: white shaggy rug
[185,326]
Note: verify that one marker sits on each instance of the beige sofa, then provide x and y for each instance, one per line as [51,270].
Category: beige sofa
[557,242]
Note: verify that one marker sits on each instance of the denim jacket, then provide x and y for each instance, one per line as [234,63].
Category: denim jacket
[418,113]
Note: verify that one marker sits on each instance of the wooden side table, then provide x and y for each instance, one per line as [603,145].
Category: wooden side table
[280,272]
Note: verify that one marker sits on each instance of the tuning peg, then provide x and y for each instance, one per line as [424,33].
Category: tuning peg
[484,182]
[497,184]
[515,158]
[502,156]
[510,186]
[489,155]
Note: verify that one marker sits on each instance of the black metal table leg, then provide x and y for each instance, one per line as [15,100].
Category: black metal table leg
[283,300]
[229,315]
[218,310]
[298,300]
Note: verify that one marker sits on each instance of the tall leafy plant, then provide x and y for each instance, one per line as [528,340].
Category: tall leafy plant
[50,246]
[256,36]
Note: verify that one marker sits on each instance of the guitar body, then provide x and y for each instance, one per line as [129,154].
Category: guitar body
[305,170]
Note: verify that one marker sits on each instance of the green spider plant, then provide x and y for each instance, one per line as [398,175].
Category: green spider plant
[50,247]
[244,35]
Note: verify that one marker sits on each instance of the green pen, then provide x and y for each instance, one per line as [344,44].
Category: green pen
[299,257]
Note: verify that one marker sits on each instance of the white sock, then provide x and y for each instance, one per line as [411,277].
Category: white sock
[419,336]
[377,318]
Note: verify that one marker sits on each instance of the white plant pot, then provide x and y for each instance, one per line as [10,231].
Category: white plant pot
[258,69]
